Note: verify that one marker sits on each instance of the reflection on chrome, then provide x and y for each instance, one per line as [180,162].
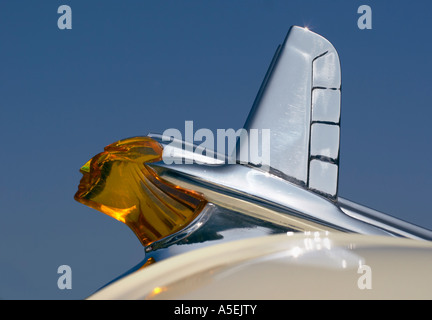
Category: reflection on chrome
[215,225]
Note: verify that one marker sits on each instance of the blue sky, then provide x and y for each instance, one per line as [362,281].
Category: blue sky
[132,67]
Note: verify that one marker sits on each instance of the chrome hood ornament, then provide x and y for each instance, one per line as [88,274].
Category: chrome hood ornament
[176,197]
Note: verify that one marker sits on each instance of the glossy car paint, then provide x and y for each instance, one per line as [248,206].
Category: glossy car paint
[309,265]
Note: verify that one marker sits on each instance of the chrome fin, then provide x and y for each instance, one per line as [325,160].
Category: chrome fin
[299,101]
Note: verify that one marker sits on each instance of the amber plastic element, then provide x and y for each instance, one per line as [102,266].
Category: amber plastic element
[149,262]
[118,183]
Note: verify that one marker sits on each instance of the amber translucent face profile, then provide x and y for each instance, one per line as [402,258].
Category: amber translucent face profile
[118,183]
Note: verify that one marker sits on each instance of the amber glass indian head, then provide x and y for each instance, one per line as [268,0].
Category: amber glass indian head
[119,183]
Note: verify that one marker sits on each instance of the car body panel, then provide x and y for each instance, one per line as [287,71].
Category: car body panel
[311,265]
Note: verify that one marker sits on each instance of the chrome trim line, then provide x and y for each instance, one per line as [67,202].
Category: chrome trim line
[263,186]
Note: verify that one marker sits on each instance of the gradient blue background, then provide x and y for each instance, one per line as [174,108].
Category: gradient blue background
[132,67]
